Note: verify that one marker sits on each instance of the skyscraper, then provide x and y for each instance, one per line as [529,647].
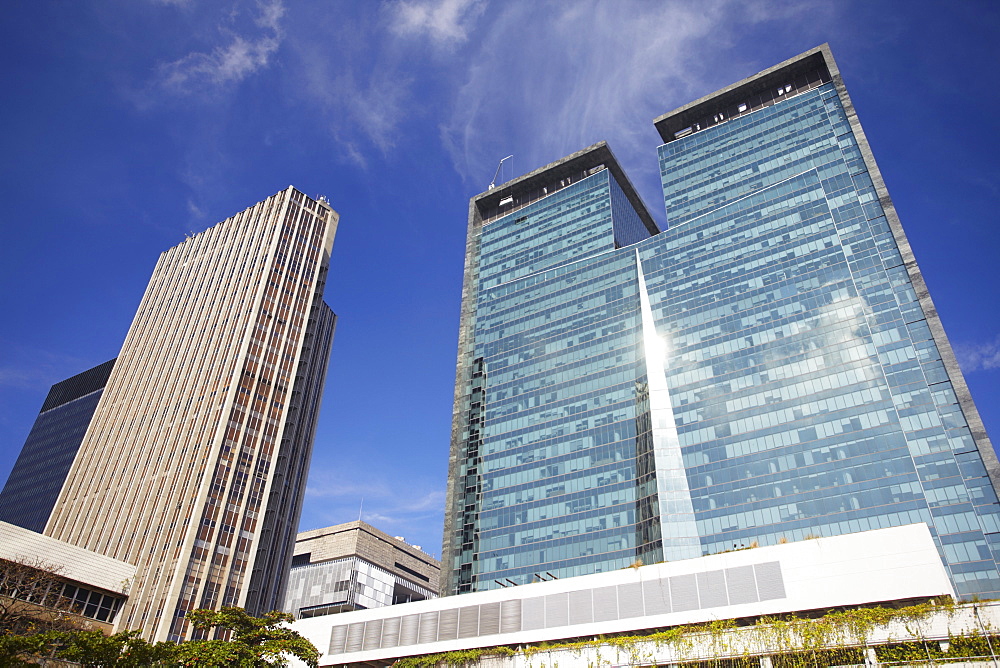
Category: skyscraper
[194,465]
[768,368]
[33,486]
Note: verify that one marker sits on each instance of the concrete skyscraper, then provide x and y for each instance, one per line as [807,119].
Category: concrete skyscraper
[194,465]
[768,368]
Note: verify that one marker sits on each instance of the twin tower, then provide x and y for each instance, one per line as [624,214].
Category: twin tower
[767,368]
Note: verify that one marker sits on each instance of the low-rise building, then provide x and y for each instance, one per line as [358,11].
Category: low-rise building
[355,566]
[589,615]
[45,579]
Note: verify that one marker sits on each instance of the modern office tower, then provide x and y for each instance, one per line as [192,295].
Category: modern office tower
[40,470]
[354,566]
[768,368]
[194,465]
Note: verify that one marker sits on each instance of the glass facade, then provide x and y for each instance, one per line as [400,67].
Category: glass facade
[809,394]
[761,371]
[558,470]
[38,475]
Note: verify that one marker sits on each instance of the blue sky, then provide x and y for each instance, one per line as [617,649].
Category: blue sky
[126,124]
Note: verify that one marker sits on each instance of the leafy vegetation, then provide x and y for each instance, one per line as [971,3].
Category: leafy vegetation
[240,640]
[31,599]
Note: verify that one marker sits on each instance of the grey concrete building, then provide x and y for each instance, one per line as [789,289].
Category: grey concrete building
[355,566]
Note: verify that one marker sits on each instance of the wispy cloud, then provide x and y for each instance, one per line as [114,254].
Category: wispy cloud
[357,86]
[195,210]
[337,485]
[35,369]
[584,71]
[238,58]
[375,106]
[978,356]
[337,493]
[444,22]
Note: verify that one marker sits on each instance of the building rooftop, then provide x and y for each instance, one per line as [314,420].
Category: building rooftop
[517,193]
[363,540]
[803,72]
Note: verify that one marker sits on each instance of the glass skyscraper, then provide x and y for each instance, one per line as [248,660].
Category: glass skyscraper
[34,483]
[768,368]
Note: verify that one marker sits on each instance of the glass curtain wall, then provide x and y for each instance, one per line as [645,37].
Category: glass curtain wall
[809,396]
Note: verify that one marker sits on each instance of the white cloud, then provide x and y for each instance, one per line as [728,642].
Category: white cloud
[195,210]
[362,94]
[37,369]
[550,78]
[376,106]
[230,63]
[338,491]
[978,356]
[445,22]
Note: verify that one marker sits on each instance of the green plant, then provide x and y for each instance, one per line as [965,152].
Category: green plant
[837,638]
[244,640]
[241,640]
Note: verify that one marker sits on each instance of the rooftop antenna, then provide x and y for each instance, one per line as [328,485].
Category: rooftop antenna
[497,173]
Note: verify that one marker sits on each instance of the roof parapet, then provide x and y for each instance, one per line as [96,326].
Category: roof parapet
[531,187]
[798,74]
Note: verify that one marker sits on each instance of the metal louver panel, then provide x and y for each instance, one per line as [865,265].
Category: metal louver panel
[741,585]
[581,607]
[408,630]
[510,616]
[468,621]
[556,610]
[390,632]
[355,636]
[489,619]
[606,604]
[338,637]
[712,589]
[683,593]
[448,624]
[373,634]
[656,595]
[630,600]
[770,584]
[533,614]
[428,627]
